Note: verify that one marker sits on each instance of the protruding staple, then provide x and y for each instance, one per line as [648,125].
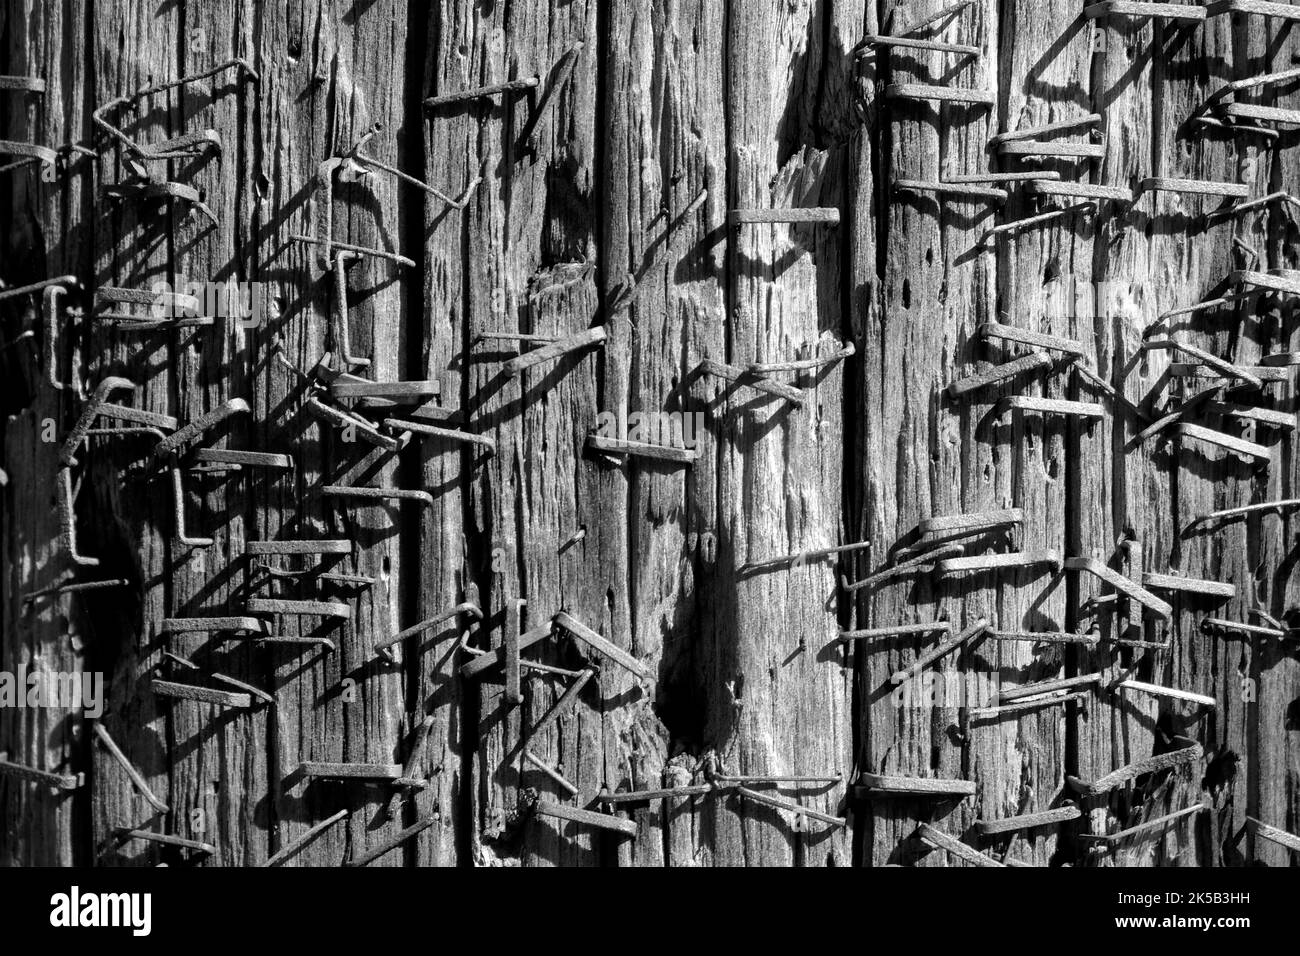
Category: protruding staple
[30,153]
[1030,147]
[751,379]
[913,563]
[349,771]
[1122,584]
[1273,114]
[1172,693]
[132,774]
[599,644]
[366,162]
[211,625]
[620,446]
[554,350]
[205,695]
[1054,699]
[1142,830]
[466,607]
[947,647]
[1221,366]
[174,149]
[1080,190]
[1023,176]
[50,297]
[1282,284]
[1128,8]
[1277,507]
[150,187]
[481,92]
[1049,406]
[1047,129]
[233,457]
[1210,624]
[1028,821]
[897,630]
[1189,751]
[178,510]
[1263,8]
[1230,442]
[451,434]
[68,521]
[1273,835]
[829,215]
[292,849]
[126,834]
[165,310]
[934,19]
[950,844]
[789,806]
[412,768]
[59,781]
[376,494]
[944,94]
[1010,333]
[951,189]
[388,846]
[564,783]
[990,562]
[872,40]
[73,587]
[1230,125]
[356,250]
[200,425]
[345,420]
[1044,687]
[1043,637]
[514,695]
[316,546]
[68,451]
[801,558]
[801,365]
[383,394]
[875,786]
[1196,186]
[490,660]
[994,374]
[604,821]
[1209,378]
[341,328]
[660,793]
[1193,586]
[333,609]
[1010,228]
[22,84]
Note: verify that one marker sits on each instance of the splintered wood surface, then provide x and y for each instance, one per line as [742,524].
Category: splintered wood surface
[628,652]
